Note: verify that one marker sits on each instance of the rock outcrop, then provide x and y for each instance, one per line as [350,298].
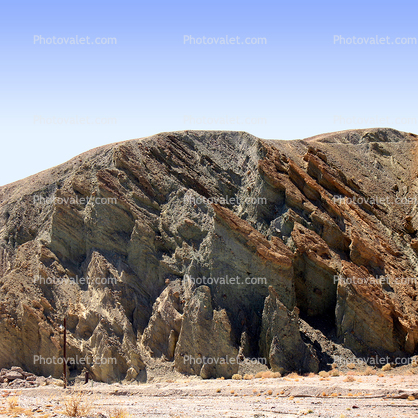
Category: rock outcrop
[206,344]
[211,246]
[281,341]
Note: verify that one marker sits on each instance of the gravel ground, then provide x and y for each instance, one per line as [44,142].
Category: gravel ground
[367,396]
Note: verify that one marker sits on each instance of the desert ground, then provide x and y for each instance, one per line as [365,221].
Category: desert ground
[386,394]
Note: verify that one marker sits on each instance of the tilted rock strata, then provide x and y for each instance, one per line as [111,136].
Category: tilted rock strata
[168,222]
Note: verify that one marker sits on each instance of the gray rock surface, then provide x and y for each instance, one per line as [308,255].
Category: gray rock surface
[206,344]
[281,341]
[195,204]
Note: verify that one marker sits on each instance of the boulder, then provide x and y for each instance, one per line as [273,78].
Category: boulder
[12,375]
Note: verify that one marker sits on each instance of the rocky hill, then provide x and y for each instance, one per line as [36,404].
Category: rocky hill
[199,247]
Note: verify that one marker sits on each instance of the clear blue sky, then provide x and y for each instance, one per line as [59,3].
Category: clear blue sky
[298,84]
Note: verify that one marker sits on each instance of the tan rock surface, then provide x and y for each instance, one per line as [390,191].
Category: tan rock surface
[155,231]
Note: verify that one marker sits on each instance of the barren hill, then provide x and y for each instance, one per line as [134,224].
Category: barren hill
[200,247]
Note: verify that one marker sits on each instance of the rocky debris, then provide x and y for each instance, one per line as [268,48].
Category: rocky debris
[15,378]
[144,216]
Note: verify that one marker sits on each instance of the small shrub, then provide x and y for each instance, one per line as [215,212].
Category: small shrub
[349,379]
[12,402]
[119,413]
[351,366]
[13,409]
[236,377]
[323,373]
[369,371]
[248,376]
[76,405]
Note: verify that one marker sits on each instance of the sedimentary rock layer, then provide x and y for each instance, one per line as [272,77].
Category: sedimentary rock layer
[211,245]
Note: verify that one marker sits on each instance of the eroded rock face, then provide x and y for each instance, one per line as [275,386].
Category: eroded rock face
[281,342]
[206,345]
[164,326]
[148,217]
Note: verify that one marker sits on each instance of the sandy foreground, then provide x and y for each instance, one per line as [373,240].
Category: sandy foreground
[367,396]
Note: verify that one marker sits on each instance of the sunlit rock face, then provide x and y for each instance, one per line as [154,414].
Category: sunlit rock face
[201,247]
